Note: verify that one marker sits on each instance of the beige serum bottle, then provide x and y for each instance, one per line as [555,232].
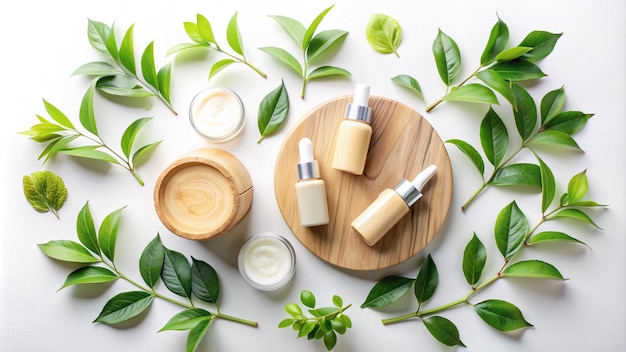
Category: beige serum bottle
[310,189]
[390,206]
[355,133]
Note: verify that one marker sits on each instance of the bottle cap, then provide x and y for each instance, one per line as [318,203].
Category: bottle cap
[308,167]
[411,191]
[359,109]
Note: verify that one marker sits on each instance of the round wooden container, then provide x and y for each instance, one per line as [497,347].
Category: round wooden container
[203,194]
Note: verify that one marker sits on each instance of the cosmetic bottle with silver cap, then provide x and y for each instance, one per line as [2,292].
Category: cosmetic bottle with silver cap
[310,189]
[391,206]
[355,133]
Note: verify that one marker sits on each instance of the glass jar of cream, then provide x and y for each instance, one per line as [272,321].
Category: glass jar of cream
[267,261]
[217,113]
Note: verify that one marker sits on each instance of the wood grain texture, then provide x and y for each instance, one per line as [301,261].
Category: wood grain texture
[403,143]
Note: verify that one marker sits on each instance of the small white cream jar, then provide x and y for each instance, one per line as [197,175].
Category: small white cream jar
[267,261]
[217,113]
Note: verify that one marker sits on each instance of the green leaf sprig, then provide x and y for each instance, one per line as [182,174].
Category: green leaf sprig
[201,33]
[60,132]
[313,46]
[550,127]
[121,77]
[499,66]
[512,232]
[45,191]
[384,34]
[96,255]
[273,111]
[323,324]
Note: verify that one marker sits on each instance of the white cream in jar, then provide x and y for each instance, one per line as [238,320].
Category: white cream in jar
[217,113]
[267,261]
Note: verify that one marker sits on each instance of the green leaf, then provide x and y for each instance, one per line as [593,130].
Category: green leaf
[577,187]
[345,320]
[151,262]
[128,138]
[187,319]
[57,115]
[182,47]
[220,65]
[447,57]
[306,328]
[548,185]
[568,122]
[510,230]
[494,137]
[383,34]
[521,174]
[534,269]
[196,334]
[57,145]
[142,151]
[337,301]
[107,234]
[122,86]
[96,68]
[575,214]
[90,152]
[204,281]
[501,315]
[285,57]
[273,110]
[192,32]
[512,53]
[338,326]
[294,310]
[330,340]
[307,298]
[98,33]
[410,83]
[499,84]
[45,191]
[387,291]
[233,36]
[427,280]
[293,28]
[518,70]
[67,251]
[323,42]
[553,236]
[555,139]
[474,259]
[471,153]
[551,104]
[473,93]
[308,34]
[327,71]
[164,77]
[542,43]
[89,275]
[443,330]
[86,115]
[127,51]
[204,29]
[176,273]
[124,306]
[148,68]
[498,38]
[525,113]
[86,229]
[285,323]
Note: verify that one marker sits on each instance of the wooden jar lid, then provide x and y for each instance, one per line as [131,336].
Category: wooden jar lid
[203,194]
[403,143]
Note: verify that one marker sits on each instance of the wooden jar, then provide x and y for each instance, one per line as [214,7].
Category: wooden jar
[203,194]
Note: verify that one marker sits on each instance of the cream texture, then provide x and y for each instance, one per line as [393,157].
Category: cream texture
[217,113]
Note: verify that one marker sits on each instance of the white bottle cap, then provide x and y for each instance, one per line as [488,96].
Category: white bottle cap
[359,109]
[423,177]
[307,167]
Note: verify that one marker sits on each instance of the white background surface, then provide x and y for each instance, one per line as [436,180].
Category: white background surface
[44,41]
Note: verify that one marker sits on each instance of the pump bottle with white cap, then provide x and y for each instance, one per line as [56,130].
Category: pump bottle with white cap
[355,133]
[310,189]
[391,206]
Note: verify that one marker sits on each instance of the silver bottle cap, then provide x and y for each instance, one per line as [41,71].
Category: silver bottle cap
[409,193]
[359,109]
[308,170]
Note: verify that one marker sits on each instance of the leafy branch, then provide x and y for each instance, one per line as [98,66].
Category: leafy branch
[96,255]
[60,133]
[325,322]
[202,36]
[121,77]
[512,232]
[312,45]
[556,128]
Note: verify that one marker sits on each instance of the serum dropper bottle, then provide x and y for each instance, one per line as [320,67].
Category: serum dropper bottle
[310,189]
[355,133]
[391,206]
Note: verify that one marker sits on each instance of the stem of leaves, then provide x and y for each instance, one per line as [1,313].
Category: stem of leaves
[440,100]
